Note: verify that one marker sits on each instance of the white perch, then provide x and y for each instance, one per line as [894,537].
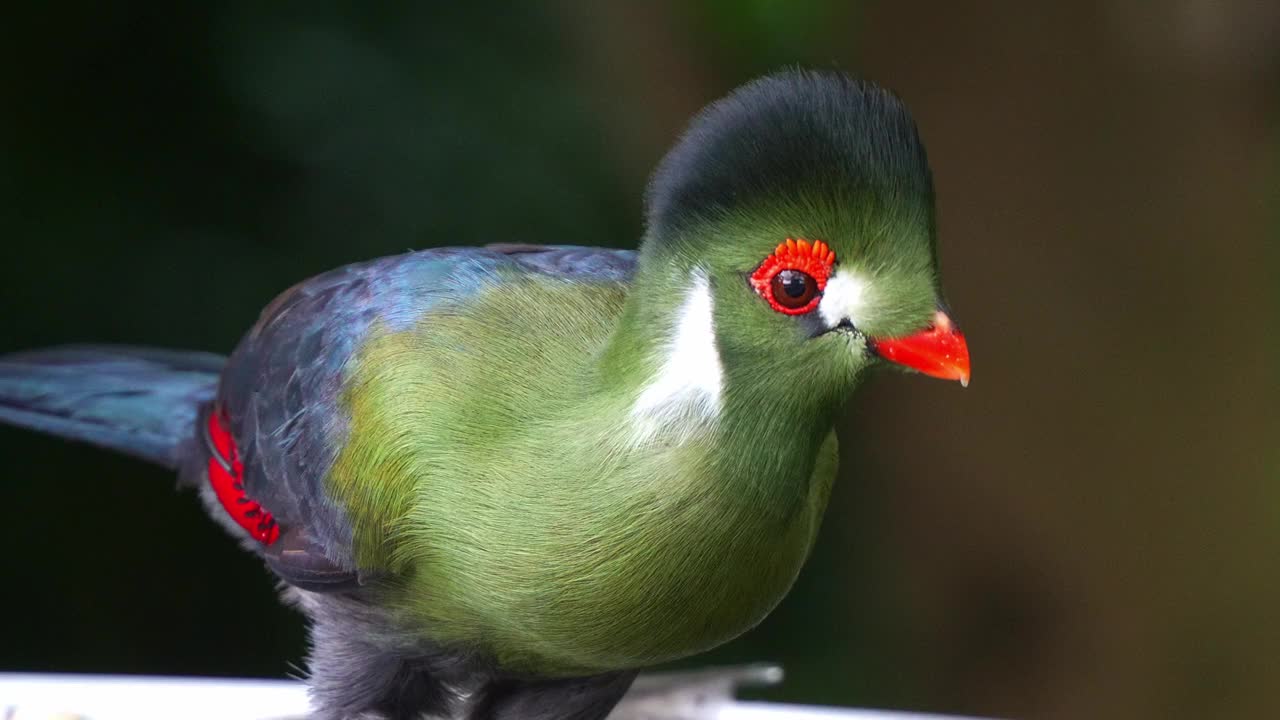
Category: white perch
[702,695]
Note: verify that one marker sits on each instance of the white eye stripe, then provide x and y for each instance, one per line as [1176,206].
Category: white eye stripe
[685,392]
[846,296]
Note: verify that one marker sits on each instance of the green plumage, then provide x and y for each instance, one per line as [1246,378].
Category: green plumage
[500,481]
[496,464]
[525,519]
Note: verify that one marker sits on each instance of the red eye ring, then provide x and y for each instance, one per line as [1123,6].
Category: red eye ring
[814,259]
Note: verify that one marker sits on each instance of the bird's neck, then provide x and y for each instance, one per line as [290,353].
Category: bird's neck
[685,392]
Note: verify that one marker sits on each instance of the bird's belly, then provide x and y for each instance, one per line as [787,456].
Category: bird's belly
[656,601]
[607,571]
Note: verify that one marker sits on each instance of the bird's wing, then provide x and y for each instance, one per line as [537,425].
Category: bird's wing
[281,392]
[571,261]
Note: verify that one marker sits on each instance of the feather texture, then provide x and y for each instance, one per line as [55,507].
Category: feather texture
[508,477]
[138,401]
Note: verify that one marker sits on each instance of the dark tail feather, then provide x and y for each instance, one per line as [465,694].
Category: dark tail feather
[139,401]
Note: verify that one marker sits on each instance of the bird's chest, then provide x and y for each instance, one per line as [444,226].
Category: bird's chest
[611,560]
[666,578]
[708,582]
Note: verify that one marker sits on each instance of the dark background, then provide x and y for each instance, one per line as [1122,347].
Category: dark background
[1090,530]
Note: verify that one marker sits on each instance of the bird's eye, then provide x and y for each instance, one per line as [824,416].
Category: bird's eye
[793,289]
[791,279]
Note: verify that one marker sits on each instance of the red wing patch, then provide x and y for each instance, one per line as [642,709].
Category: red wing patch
[226,476]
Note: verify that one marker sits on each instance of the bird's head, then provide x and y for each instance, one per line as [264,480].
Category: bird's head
[801,206]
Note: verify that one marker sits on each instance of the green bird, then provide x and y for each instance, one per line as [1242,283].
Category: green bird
[501,480]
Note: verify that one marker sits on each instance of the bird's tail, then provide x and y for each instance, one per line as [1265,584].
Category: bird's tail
[138,401]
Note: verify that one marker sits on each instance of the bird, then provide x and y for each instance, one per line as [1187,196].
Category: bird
[501,480]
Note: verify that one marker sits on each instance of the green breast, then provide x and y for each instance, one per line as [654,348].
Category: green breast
[489,469]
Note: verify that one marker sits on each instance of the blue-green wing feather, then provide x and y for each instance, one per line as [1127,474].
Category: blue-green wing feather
[282,387]
[134,400]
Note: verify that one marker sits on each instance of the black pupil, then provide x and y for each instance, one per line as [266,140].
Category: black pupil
[794,284]
[793,289]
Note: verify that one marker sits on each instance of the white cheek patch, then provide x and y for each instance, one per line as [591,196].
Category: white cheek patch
[685,393]
[847,295]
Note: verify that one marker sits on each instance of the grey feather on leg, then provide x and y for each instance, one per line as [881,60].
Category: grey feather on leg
[683,695]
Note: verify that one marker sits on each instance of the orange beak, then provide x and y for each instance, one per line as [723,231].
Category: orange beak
[938,351]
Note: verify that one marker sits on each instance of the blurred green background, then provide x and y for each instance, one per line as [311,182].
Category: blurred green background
[1091,530]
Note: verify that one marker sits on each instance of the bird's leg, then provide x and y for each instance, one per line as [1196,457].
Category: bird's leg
[589,698]
[382,686]
[361,666]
